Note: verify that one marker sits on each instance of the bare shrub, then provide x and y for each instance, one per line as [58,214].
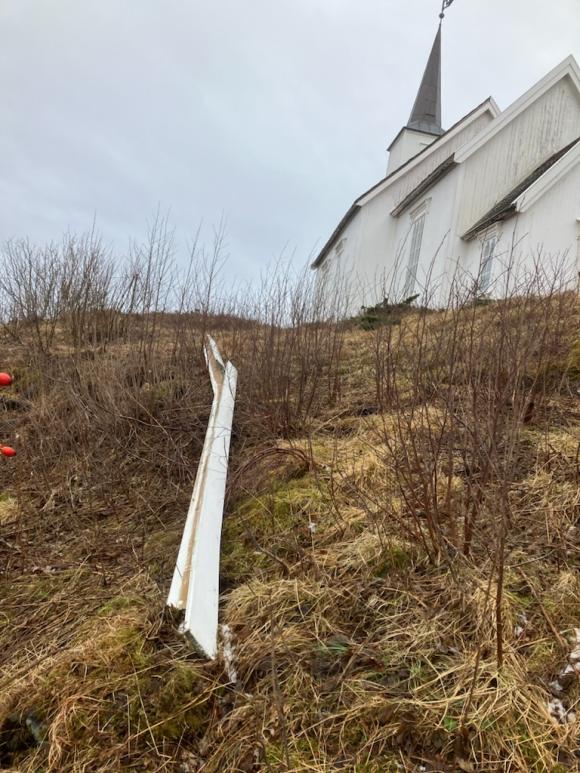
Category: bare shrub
[29,288]
[457,390]
[370,595]
[293,360]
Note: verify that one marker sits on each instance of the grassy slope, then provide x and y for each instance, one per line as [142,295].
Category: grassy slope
[352,650]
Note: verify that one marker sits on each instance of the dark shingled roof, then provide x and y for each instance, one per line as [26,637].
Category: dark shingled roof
[436,175]
[506,207]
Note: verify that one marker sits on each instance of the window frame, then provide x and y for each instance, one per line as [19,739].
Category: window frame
[485,272]
[418,217]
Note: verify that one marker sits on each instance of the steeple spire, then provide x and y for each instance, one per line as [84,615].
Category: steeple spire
[424,125]
[426,113]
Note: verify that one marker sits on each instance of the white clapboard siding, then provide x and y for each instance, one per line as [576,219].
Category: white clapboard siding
[195,584]
[458,178]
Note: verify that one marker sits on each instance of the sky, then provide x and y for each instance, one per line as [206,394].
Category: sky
[271,115]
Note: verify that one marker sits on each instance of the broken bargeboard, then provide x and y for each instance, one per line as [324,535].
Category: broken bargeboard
[195,583]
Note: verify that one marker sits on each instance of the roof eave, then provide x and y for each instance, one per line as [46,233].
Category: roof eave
[433,134]
[485,223]
[334,236]
[536,183]
[488,104]
[552,175]
[425,185]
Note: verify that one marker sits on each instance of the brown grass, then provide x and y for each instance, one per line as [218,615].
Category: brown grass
[366,636]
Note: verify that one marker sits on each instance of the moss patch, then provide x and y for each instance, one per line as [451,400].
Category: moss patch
[277,522]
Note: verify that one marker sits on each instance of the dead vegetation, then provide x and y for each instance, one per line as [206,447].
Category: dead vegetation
[400,551]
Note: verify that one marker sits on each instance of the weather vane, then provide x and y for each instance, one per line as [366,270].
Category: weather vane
[444,6]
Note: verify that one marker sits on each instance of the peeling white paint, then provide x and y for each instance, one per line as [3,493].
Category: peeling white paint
[560,686]
[558,711]
[521,626]
[195,584]
[228,653]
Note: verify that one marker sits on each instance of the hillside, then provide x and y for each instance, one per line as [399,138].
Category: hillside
[400,585]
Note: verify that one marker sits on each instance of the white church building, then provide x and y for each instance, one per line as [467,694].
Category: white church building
[498,189]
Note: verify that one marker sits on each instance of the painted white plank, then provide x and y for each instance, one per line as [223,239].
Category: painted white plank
[195,584]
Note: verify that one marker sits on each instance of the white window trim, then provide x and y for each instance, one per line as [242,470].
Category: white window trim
[485,270]
[487,233]
[416,216]
[422,209]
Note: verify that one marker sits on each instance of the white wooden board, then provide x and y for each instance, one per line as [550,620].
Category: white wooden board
[195,584]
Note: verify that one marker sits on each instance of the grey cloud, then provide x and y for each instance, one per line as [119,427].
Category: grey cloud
[274,114]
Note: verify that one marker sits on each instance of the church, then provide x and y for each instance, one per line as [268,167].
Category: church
[492,197]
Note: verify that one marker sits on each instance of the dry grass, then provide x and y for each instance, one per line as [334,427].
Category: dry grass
[383,659]
[355,648]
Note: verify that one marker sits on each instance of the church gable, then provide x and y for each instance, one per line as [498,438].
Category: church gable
[523,138]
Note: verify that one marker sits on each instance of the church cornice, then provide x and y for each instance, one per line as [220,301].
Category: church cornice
[417,131]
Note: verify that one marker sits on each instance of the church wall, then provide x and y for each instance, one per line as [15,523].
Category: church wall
[408,182]
[407,145]
[375,248]
[374,238]
[436,242]
[552,224]
[338,272]
[550,228]
[546,126]
[548,233]
[382,253]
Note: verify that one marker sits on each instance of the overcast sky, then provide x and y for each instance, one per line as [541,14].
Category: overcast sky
[273,113]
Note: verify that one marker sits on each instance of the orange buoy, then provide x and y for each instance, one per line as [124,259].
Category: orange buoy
[5,379]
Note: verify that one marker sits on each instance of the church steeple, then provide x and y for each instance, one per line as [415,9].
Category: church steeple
[426,113]
[424,125]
